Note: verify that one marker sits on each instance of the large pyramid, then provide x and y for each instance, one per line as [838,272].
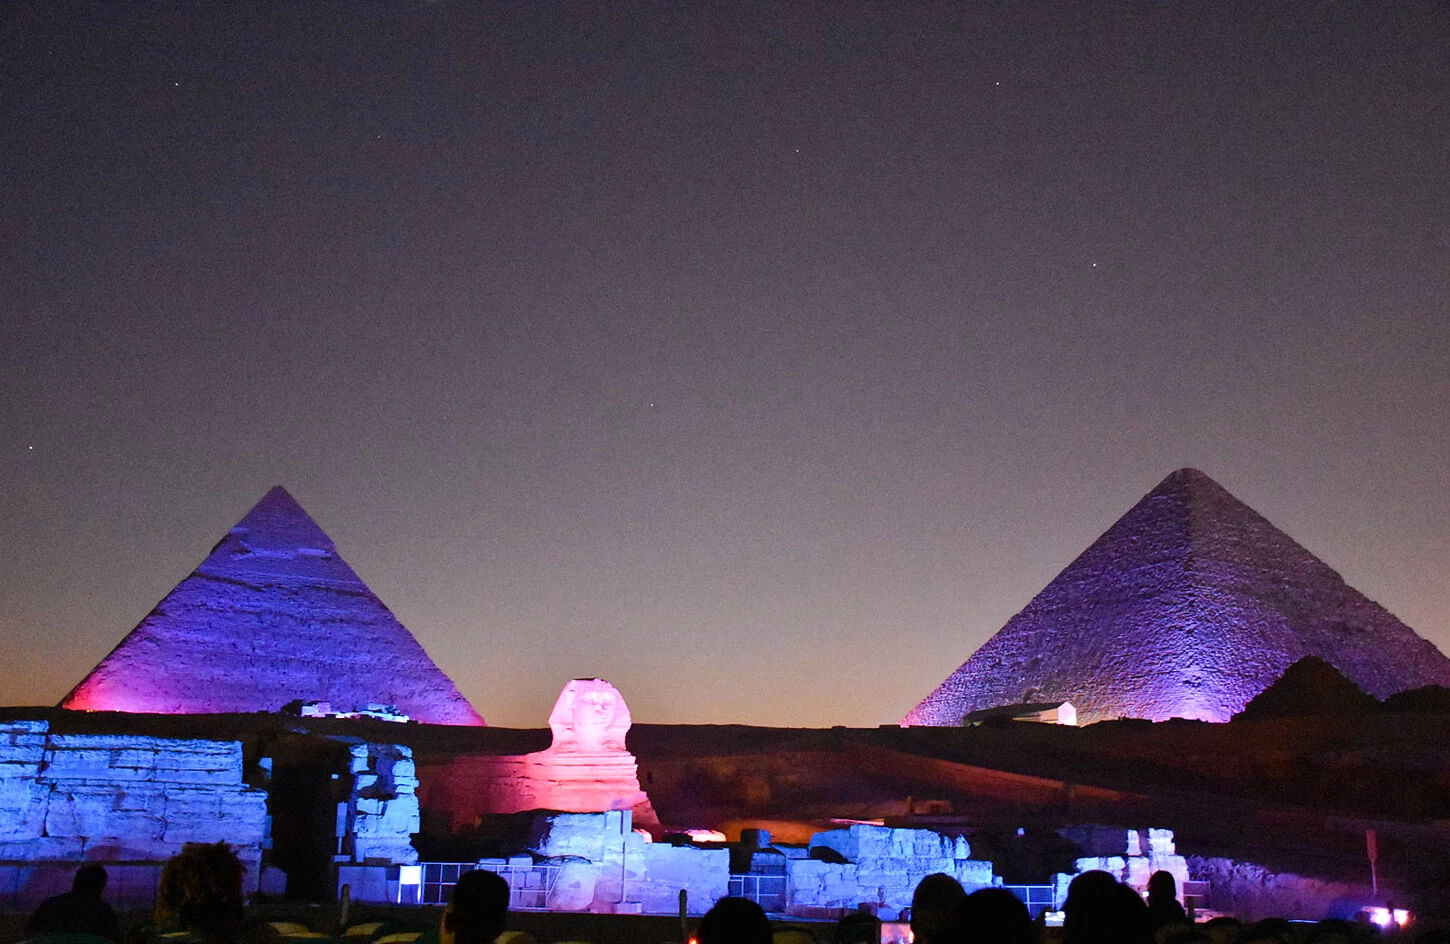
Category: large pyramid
[1189,606]
[271,616]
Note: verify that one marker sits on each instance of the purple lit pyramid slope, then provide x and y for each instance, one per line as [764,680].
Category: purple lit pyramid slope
[1189,606]
[272,615]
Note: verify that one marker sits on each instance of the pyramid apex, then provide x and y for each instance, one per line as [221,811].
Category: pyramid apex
[277,521]
[1187,476]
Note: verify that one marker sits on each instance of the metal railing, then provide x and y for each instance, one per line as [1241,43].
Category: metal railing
[767,891]
[528,887]
[1037,898]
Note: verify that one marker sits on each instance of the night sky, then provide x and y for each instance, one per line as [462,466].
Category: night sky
[762,359]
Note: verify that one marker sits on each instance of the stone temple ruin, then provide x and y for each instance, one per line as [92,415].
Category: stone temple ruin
[1187,607]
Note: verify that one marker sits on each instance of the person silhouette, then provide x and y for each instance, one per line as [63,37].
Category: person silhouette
[1163,904]
[734,921]
[476,910]
[992,915]
[200,892]
[932,904]
[80,910]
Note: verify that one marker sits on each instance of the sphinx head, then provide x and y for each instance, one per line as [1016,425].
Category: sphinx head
[589,717]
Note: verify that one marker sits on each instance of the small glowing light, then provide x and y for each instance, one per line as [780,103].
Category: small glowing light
[1387,917]
[705,835]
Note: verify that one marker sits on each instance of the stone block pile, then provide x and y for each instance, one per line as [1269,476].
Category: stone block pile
[385,813]
[1141,852]
[72,798]
[882,867]
[605,866]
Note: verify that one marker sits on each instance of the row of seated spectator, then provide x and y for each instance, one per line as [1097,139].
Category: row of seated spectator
[200,901]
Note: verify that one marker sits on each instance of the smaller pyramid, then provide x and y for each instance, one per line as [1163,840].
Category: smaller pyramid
[1309,687]
[1187,607]
[273,615]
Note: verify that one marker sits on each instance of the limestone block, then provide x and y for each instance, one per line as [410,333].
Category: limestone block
[211,755]
[574,888]
[197,814]
[974,873]
[101,742]
[1175,865]
[23,803]
[1134,844]
[88,809]
[1160,842]
[23,749]
[198,776]
[143,798]
[842,840]
[590,836]
[185,803]
[1113,865]
[41,849]
[81,763]
[1060,882]
[961,849]
[656,875]
[1136,872]
[23,728]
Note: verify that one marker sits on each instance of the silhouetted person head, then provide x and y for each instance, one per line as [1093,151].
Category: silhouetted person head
[1098,910]
[859,927]
[992,916]
[476,910]
[80,910]
[1163,906]
[932,905]
[1088,909]
[201,889]
[89,880]
[734,921]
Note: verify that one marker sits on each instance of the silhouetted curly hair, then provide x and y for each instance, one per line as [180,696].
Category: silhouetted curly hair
[201,888]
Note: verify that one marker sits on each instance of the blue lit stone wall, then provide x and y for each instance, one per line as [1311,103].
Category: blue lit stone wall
[66,799]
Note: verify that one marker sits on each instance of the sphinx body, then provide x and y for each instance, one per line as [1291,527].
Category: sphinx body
[586,769]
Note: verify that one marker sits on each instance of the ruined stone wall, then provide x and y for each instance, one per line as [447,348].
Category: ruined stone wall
[608,867]
[882,869]
[384,814]
[72,798]
[1140,853]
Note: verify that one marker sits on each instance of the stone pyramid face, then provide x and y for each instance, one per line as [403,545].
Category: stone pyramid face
[1189,606]
[271,616]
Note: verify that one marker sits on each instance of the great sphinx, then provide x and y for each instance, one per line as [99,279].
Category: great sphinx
[586,769]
